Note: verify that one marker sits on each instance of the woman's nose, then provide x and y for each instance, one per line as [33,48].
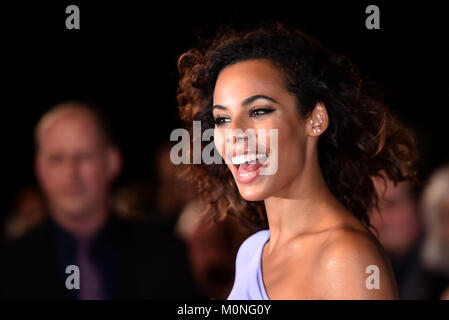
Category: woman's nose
[241,137]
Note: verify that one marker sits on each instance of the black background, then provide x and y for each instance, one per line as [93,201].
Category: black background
[124,59]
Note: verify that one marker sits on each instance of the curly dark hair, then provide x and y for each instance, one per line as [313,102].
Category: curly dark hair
[363,139]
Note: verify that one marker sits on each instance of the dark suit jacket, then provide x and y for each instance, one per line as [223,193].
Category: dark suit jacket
[138,260]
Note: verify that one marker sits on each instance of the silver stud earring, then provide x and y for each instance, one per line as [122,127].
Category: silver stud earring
[315,126]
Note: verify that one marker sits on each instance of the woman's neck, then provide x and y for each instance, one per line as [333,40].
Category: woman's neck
[307,205]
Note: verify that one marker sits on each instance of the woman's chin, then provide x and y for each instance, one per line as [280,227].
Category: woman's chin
[252,194]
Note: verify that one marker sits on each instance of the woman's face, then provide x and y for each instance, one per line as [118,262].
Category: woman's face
[251,95]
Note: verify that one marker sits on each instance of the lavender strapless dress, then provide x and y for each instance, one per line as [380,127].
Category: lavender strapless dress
[248,283]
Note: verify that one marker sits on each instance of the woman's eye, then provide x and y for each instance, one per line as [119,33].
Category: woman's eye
[221,121]
[259,112]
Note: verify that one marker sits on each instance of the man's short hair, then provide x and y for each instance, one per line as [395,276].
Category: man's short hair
[97,114]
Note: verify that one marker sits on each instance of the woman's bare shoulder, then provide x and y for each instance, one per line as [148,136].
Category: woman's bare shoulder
[352,265]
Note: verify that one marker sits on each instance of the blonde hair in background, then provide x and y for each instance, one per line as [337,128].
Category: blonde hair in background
[435,253]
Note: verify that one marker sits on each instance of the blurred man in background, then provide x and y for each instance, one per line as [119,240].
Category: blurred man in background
[75,164]
[398,227]
[415,233]
[212,248]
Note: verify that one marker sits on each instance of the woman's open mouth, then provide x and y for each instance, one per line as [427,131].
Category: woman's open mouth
[247,166]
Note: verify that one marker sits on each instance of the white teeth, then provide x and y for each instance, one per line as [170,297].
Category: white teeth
[238,160]
[244,158]
[250,158]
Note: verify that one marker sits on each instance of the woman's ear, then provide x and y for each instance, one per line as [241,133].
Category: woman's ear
[114,162]
[318,121]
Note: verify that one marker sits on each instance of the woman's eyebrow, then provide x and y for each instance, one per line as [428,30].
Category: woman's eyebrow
[217,106]
[256,97]
[248,101]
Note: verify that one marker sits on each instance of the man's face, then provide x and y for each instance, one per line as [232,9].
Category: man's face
[399,224]
[72,164]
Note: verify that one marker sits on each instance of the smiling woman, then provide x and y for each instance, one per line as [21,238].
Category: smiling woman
[334,135]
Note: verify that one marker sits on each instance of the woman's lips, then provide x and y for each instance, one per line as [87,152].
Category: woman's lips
[247,167]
